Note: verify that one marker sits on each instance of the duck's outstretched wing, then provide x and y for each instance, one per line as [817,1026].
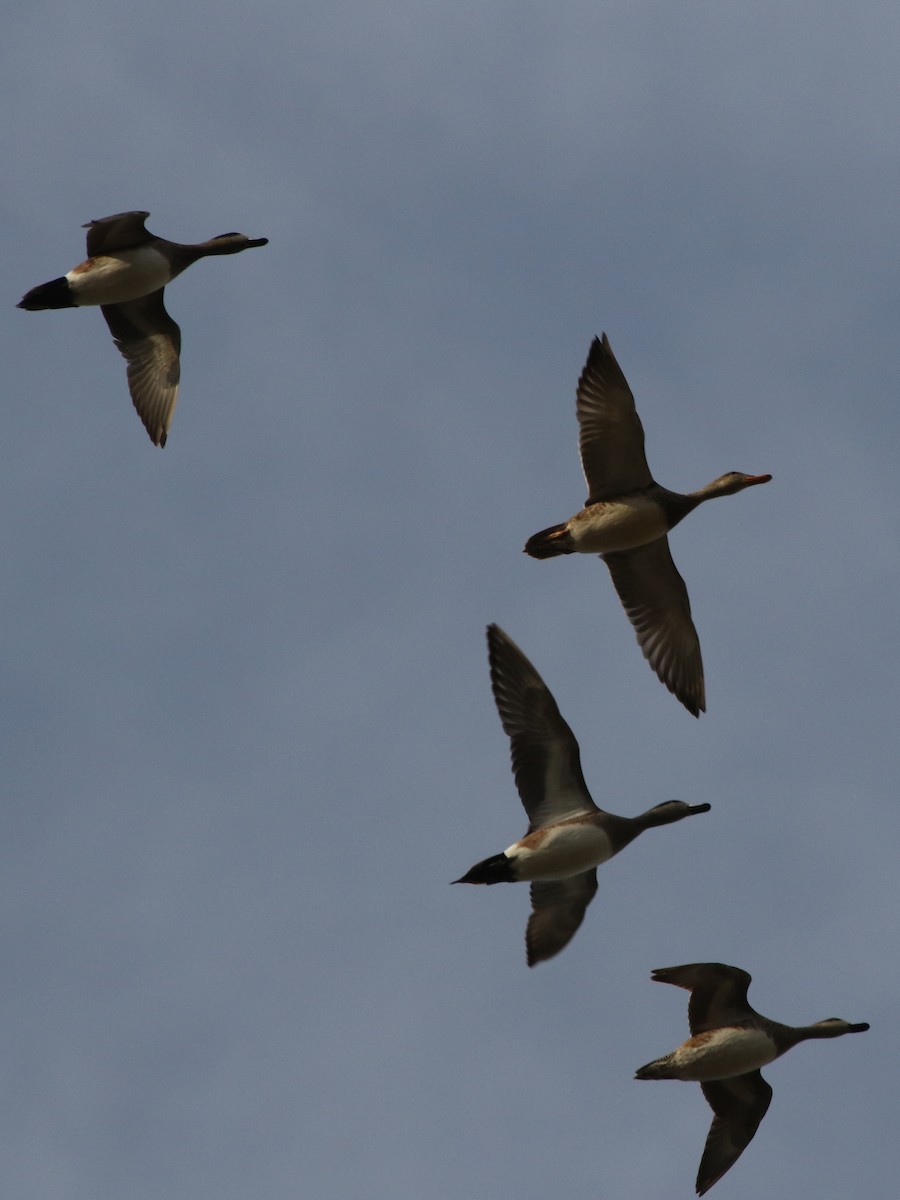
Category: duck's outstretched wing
[718,993]
[545,757]
[150,342]
[122,231]
[558,908]
[611,437]
[739,1104]
[655,599]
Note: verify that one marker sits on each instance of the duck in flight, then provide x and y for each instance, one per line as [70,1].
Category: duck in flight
[729,1042]
[126,272]
[626,519]
[568,835]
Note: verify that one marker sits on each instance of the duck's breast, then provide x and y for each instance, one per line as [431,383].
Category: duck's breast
[611,525]
[559,851]
[117,278]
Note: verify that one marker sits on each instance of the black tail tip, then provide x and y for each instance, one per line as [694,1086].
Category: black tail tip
[496,869]
[54,294]
[549,542]
[646,1072]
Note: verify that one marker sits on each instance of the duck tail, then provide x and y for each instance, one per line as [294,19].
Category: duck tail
[550,542]
[660,1068]
[496,869]
[55,294]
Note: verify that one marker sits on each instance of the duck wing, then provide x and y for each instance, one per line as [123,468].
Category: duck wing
[739,1104]
[150,342]
[611,437]
[718,993]
[122,231]
[558,908]
[655,598]
[545,757]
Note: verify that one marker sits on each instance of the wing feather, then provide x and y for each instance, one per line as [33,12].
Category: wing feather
[122,231]
[545,756]
[611,436]
[718,993]
[655,599]
[558,908]
[739,1104]
[150,342]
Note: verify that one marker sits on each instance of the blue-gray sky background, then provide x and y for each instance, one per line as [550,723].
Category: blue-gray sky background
[247,729]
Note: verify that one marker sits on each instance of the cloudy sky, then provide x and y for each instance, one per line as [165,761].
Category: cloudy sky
[248,736]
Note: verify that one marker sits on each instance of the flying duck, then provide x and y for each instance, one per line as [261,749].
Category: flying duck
[729,1042]
[568,835]
[626,519]
[126,272]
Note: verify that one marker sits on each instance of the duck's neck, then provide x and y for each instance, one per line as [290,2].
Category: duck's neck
[821,1031]
[185,253]
[676,504]
[791,1035]
[660,814]
[223,245]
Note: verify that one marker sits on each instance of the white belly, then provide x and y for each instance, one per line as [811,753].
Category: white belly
[557,853]
[115,278]
[723,1053]
[617,525]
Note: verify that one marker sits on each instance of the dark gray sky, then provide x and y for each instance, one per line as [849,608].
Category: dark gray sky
[247,725]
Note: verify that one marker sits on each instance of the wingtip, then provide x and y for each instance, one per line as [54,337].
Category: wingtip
[694,707]
[662,974]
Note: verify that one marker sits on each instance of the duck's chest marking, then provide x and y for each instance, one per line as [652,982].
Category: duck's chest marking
[561,850]
[118,278]
[723,1053]
[610,525]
